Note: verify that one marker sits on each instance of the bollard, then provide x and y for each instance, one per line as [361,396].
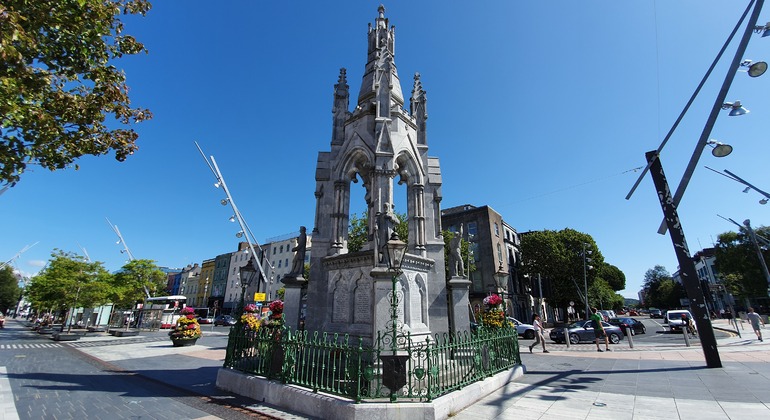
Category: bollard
[630,337]
[686,336]
[566,335]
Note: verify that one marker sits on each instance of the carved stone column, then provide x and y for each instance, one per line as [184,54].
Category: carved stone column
[292,298]
[459,306]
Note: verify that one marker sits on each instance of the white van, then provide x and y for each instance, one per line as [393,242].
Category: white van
[674,319]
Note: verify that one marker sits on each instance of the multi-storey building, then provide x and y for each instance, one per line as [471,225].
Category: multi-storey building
[216,298]
[233,290]
[714,291]
[494,249]
[277,259]
[198,296]
[187,278]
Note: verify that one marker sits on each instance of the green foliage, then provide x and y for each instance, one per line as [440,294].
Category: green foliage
[58,82]
[602,295]
[69,280]
[738,263]
[615,278]
[557,255]
[358,230]
[662,290]
[9,289]
[135,280]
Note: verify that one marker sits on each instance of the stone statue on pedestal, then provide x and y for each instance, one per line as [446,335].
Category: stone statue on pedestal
[456,266]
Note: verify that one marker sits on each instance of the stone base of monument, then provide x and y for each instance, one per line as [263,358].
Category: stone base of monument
[321,405]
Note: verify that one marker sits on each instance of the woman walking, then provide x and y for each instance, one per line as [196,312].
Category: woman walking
[538,333]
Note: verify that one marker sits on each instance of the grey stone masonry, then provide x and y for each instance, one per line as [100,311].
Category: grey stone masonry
[376,143]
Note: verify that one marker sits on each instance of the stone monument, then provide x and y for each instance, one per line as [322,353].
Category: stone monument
[376,143]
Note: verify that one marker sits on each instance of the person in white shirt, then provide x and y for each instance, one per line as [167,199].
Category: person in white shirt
[538,333]
[755,319]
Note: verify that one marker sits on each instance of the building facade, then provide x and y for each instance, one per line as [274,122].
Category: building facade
[494,249]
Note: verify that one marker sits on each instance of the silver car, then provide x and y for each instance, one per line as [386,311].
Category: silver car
[583,331]
[524,330]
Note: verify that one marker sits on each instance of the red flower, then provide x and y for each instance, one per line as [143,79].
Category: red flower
[190,326]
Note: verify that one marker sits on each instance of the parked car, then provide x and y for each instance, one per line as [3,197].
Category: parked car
[656,313]
[675,321]
[205,320]
[224,320]
[629,324]
[607,314]
[525,330]
[583,331]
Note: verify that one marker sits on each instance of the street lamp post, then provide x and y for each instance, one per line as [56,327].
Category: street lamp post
[686,264]
[394,365]
[500,277]
[206,292]
[247,273]
[586,267]
[753,237]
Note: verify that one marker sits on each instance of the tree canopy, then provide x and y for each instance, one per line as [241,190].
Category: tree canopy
[738,263]
[59,82]
[69,280]
[135,280]
[9,289]
[661,289]
[558,257]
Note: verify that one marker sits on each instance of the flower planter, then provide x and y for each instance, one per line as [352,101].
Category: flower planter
[183,342]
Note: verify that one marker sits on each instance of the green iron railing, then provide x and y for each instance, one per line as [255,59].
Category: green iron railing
[344,366]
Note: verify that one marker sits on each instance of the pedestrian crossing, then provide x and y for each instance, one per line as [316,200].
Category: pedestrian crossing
[29,346]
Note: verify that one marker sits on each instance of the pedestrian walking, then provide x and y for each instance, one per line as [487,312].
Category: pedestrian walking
[538,333]
[596,322]
[755,320]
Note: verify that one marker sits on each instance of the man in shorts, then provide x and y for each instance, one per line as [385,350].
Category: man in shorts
[596,322]
[755,319]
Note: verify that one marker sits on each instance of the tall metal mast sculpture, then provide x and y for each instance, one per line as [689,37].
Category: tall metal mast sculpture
[245,230]
[18,254]
[125,249]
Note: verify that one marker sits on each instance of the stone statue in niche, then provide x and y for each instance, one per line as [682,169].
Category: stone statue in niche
[386,225]
[298,264]
[456,266]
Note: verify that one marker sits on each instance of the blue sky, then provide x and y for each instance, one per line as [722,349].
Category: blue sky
[537,109]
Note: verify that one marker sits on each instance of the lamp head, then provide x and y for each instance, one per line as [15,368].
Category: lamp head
[763,201]
[755,69]
[719,149]
[224,201]
[763,29]
[396,249]
[736,108]
[248,272]
[239,234]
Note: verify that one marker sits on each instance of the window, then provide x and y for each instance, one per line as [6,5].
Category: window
[274,250]
[499,253]
[474,249]
[497,230]
[281,248]
[472,230]
[286,263]
[279,263]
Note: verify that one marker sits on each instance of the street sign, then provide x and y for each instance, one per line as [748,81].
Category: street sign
[259,297]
